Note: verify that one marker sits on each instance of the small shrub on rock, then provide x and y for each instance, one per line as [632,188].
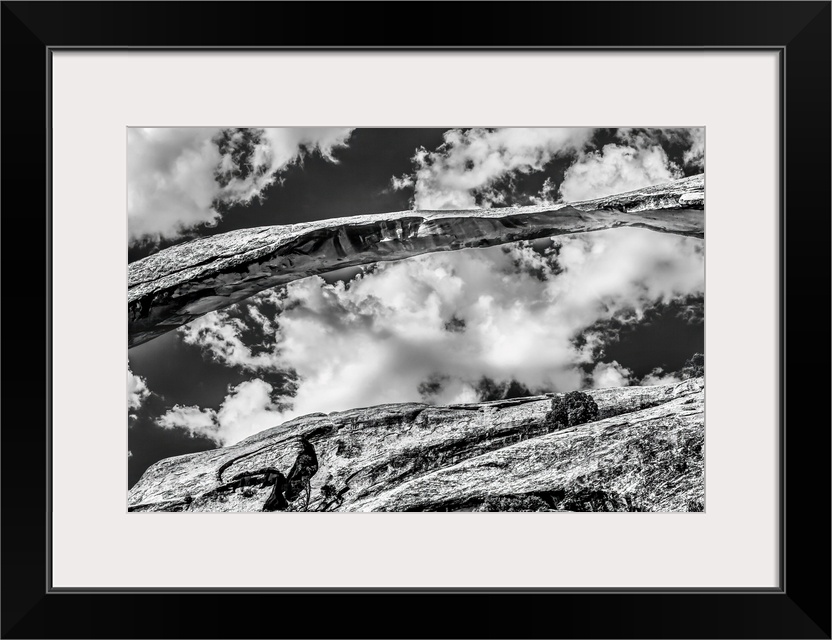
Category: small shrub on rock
[347,449]
[571,409]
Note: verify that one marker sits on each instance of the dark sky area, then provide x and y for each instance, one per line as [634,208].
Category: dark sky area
[178,373]
[665,338]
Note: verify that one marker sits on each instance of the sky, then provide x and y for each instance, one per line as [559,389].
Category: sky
[611,308]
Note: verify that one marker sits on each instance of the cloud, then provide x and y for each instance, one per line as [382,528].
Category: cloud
[221,335]
[196,421]
[695,155]
[546,195]
[658,376]
[690,139]
[247,409]
[616,169]
[464,171]
[137,391]
[181,178]
[610,374]
[476,167]
[432,327]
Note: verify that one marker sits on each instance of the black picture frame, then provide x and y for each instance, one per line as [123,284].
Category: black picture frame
[798,608]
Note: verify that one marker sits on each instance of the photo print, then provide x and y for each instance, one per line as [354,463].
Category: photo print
[415,319]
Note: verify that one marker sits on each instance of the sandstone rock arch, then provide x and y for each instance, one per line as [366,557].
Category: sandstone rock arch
[178,284]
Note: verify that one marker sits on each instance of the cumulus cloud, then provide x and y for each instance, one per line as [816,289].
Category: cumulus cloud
[464,171]
[432,327]
[476,167]
[615,169]
[196,421]
[180,178]
[690,139]
[221,335]
[695,155]
[658,376]
[546,195]
[610,374]
[247,409]
[137,391]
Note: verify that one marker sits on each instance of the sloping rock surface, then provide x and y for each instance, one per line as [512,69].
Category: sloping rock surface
[644,453]
[181,283]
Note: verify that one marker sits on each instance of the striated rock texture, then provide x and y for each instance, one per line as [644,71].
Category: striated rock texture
[180,283]
[644,453]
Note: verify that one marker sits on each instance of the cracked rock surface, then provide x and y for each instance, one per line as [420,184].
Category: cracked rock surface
[178,284]
[644,453]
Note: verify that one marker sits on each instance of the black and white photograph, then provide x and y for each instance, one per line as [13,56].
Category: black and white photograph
[463,319]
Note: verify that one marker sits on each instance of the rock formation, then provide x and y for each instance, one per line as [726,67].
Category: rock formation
[180,283]
[643,453]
